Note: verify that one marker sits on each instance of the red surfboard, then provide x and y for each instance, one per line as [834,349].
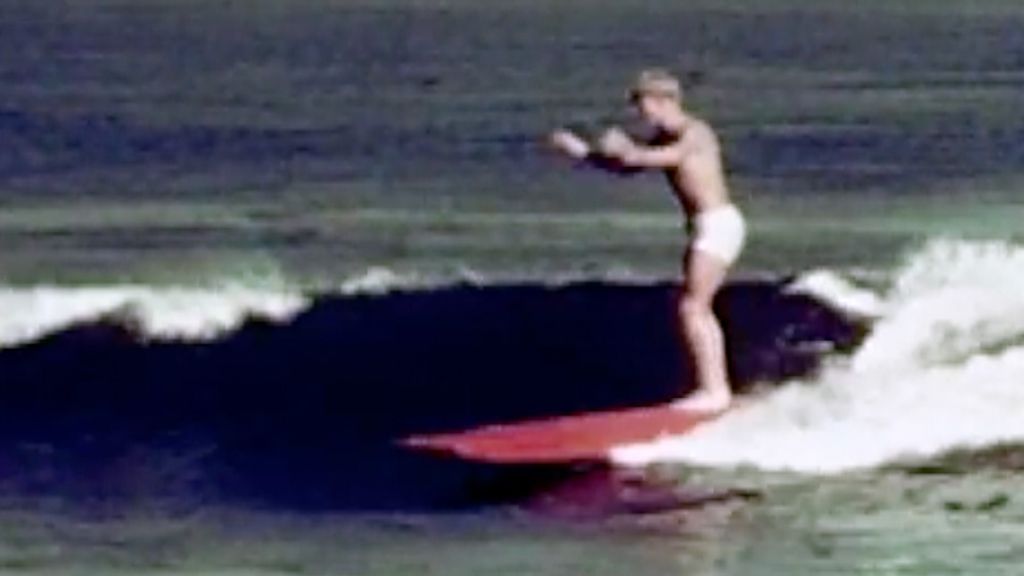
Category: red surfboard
[588,436]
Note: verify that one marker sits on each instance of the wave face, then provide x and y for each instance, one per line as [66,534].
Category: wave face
[299,400]
[940,370]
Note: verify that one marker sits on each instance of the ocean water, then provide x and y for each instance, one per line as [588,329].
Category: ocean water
[245,247]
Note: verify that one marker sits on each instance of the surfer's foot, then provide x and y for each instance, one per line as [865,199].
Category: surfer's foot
[705,401]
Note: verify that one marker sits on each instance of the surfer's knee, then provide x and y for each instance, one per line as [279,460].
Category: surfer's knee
[693,310]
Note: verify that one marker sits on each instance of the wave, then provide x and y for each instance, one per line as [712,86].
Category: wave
[316,393]
[160,313]
[939,371]
[202,313]
[191,313]
[254,391]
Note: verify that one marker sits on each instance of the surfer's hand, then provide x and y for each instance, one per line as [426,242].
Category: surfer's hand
[569,143]
[615,143]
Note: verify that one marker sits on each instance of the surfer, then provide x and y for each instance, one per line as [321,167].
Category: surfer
[686,149]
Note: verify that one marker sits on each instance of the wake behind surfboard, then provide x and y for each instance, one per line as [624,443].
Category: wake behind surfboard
[587,436]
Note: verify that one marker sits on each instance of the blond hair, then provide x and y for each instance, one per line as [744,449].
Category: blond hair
[656,82]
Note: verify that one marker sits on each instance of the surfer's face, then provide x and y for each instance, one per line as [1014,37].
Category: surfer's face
[652,108]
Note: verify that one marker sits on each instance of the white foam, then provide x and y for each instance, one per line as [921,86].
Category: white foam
[950,301]
[838,291]
[199,313]
[942,370]
[380,280]
[30,313]
[377,280]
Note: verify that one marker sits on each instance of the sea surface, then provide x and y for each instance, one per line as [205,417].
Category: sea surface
[247,247]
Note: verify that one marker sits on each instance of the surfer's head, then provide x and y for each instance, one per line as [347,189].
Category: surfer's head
[657,95]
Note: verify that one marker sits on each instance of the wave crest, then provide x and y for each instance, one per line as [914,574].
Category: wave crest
[950,301]
[163,313]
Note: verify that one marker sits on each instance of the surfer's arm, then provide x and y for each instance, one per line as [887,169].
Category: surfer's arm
[620,148]
[578,149]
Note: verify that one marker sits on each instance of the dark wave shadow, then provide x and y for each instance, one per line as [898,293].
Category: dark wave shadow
[305,415]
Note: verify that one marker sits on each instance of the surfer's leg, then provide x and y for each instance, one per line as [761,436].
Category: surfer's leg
[702,334]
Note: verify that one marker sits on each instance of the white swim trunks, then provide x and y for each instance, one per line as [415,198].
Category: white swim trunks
[720,232]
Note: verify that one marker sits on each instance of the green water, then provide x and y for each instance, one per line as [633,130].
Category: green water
[316,140]
[878,523]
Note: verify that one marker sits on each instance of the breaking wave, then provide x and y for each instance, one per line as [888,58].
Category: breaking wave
[940,370]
